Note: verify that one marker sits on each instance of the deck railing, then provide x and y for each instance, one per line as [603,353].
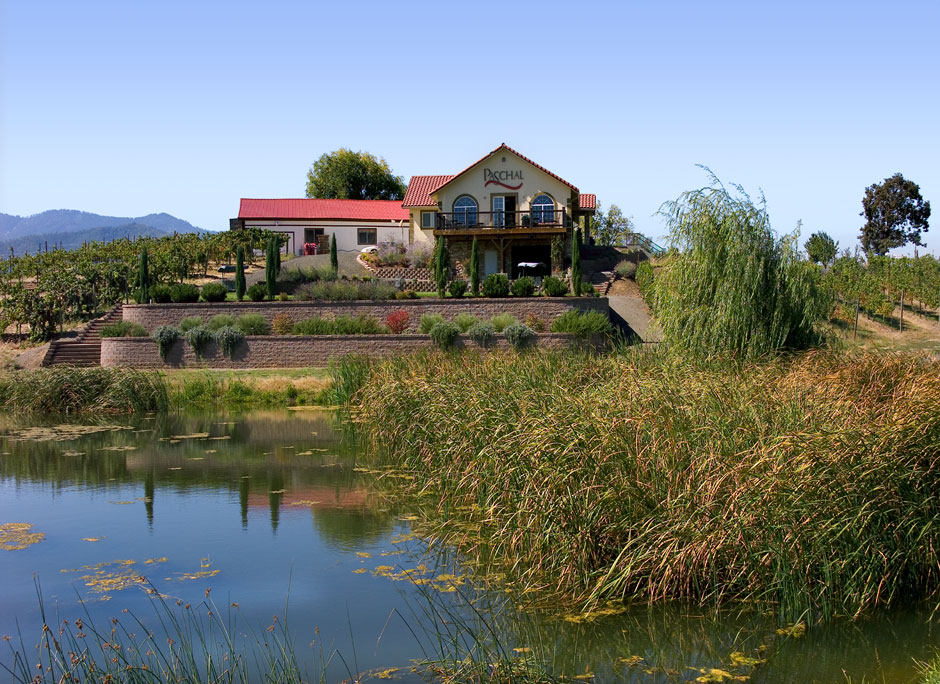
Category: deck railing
[501,220]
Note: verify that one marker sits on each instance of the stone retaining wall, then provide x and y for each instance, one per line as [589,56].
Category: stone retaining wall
[296,351]
[150,316]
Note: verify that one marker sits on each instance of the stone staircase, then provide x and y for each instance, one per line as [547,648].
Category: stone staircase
[84,350]
[601,280]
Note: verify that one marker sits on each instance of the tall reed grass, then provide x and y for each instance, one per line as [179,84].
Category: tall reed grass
[807,482]
[71,389]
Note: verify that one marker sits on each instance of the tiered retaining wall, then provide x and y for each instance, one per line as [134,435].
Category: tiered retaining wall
[150,316]
[295,351]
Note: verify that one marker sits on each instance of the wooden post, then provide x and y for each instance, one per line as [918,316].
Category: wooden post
[855,332]
[901,322]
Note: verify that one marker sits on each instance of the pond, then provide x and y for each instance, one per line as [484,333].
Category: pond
[271,510]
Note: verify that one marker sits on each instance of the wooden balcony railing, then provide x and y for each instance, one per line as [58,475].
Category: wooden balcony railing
[501,220]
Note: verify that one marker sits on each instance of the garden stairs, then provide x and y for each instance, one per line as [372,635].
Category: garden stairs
[84,350]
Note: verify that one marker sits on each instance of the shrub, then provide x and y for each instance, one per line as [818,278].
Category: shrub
[482,333]
[523,287]
[345,291]
[419,255]
[407,294]
[256,292]
[221,321]
[125,328]
[535,322]
[587,290]
[198,338]
[184,293]
[465,320]
[282,324]
[165,336]
[428,321]
[644,281]
[313,326]
[229,339]
[283,297]
[443,334]
[392,254]
[397,321]
[253,324]
[554,287]
[582,324]
[357,325]
[625,269]
[496,285]
[214,292]
[161,294]
[190,322]
[457,288]
[501,321]
[519,335]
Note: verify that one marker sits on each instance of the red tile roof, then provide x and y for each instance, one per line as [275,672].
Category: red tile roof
[420,188]
[586,201]
[506,147]
[337,209]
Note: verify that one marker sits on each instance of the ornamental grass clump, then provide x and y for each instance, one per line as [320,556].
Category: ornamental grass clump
[71,389]
[465,320]
[428,321]
[582,324]
[802,483]
[123,329]
[733,287]
[502,320]
[253,324]
[220,321]
[189,322]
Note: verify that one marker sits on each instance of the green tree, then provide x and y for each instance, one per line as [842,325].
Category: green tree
[613,227]
[240,273]
[821,248]
[475,267]
[334,256]
[345,174]
[895,214]
[576,262]
[143,276]
[270,270]
[440,266]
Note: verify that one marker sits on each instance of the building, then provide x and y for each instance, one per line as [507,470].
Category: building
[515,207]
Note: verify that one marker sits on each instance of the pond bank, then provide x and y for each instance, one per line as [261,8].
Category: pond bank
[805,483]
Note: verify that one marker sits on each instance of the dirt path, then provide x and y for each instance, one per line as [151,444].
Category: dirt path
[625,302]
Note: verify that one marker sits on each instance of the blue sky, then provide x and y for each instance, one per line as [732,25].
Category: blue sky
[127,108]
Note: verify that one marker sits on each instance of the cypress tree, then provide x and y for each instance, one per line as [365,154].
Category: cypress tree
[277,256]
[270,275]
[440,268]
[334,257]
[475,268]
[576,262]
[240,273]
[143,277]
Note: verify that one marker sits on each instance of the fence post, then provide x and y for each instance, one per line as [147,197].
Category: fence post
[855,332]
[901,322]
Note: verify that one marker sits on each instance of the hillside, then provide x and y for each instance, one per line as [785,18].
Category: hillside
[69,229]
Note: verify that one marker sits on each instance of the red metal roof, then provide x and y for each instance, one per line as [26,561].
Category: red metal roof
[586,201]
[506,147]
[337,209]
[419,190]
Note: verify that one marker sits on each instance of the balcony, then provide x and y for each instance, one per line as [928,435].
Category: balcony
[503,222]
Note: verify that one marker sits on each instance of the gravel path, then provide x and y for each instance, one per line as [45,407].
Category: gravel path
[626,303]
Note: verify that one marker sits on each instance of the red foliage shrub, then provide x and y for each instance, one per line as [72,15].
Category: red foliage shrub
[397,321]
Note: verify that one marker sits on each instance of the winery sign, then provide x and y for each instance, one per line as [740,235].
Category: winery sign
[502,178]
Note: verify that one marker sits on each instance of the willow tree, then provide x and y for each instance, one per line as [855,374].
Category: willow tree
[733,286]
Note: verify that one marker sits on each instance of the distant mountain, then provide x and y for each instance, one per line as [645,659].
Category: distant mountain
[75,238]
[71,228]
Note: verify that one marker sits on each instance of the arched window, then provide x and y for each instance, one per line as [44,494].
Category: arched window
[465,211]
[543,209]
